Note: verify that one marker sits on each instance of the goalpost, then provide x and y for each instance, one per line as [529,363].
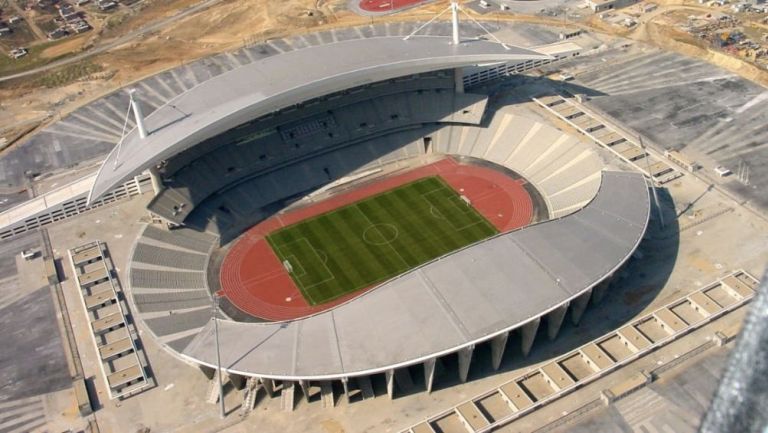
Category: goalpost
[466,200]
[287,266]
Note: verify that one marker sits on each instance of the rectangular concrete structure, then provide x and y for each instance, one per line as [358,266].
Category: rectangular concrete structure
[471,415]
[125,376]
[516,396]
[86,256]
[107,323]
[556,376]
[633,339]
[117,348]
[670,321]
[92,277]
[596,357]
[704,304]
[738,287]
[98,299]
[111,333]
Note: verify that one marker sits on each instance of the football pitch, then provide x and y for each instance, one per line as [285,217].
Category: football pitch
[376,238]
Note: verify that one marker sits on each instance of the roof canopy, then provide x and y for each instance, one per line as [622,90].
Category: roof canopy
[281,81]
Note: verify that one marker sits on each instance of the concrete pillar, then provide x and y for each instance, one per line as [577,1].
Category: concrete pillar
[555,320]
[304,388]
[287,396]
[404,380]
[238,381]
[578,306]
[345,384]
[269,386]
[720,339]
[528,332]
[326,394]
[390,376]
[458,79]
[498,344]
[598,292]
[155,179]
[429,374]
[465,359]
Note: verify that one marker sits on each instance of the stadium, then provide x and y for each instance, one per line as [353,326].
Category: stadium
[361,215]
[372,215]
[381,222]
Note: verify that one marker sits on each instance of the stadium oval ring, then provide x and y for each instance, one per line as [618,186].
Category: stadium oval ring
[473,295]
[446,305]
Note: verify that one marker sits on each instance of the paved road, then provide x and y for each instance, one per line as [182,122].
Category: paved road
[117,42]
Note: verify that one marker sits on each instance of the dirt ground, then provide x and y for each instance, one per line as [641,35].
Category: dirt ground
[231,23]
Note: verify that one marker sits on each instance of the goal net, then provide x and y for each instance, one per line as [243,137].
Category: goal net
[287,266]
[466,200]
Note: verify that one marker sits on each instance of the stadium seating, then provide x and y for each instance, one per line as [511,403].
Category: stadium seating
[168,283]
[229,180]
[563,169]
[250,151]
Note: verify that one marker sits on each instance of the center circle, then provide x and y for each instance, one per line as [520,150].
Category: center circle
[380,234]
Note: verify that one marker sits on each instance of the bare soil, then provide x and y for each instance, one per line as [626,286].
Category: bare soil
[230,24]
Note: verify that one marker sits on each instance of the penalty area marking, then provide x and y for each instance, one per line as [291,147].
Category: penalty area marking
[464,208]
[289,262]
[297,278]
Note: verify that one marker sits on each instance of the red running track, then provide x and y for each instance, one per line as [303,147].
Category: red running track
[387,5]
[254,280]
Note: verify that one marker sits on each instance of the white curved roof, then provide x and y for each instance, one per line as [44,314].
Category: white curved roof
[280,81]
[458,300]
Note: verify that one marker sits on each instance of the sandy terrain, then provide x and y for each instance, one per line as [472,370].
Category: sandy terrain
[229,24]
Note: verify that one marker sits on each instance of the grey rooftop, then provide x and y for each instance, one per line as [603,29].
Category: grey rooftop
[283,80]
[459,300]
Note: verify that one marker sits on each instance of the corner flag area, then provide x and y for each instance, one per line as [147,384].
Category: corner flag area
[377,238]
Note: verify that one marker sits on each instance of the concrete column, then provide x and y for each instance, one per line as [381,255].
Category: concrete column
[528,332]
[390,376]
[238,381]
[404,380]
[498,344]
[305,388]
[598,292]
[155,179]
[269,386]
[465,359]
[578,306]
[555,320]
[326,394]
[458,79]
[429,374]
[345,384]
[287,396]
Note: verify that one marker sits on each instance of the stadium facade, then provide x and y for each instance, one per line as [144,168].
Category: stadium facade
[250,142]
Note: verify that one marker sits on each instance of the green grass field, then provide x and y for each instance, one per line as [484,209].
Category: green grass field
[377,238]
